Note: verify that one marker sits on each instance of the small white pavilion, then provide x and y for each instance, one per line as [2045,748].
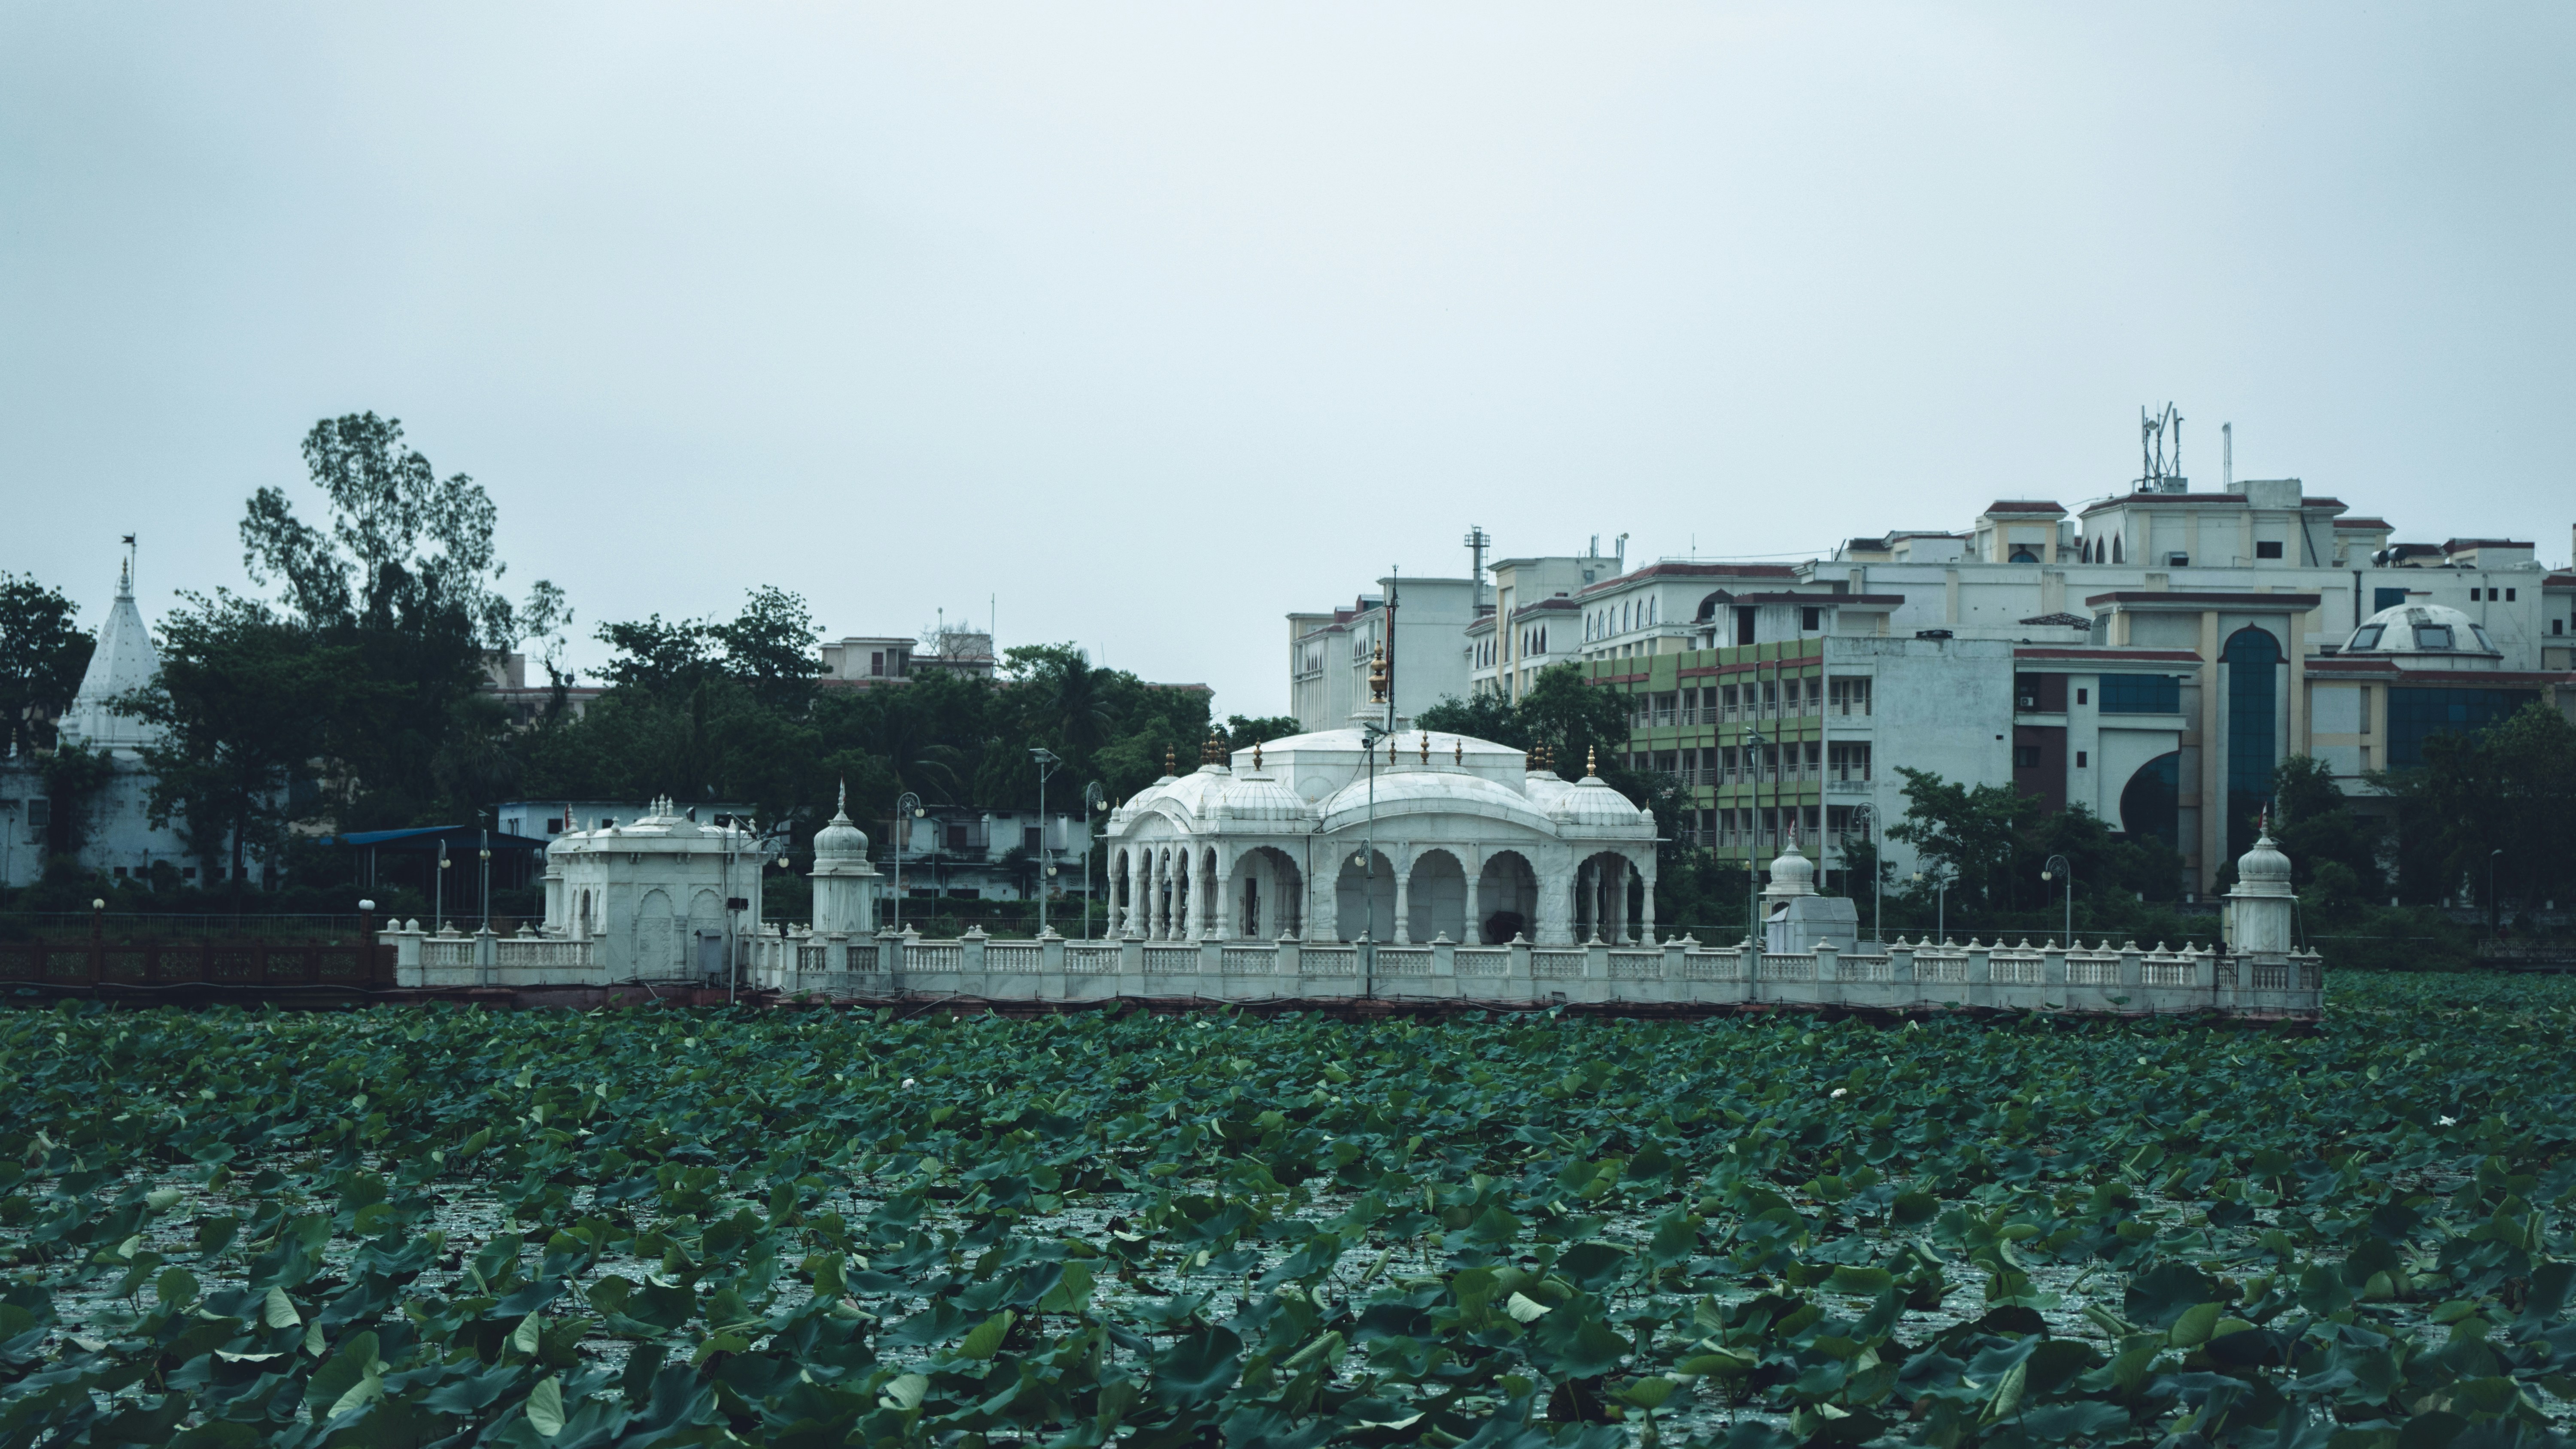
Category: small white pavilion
[1418,838]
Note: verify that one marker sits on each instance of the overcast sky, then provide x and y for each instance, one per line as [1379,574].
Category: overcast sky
[1151,324]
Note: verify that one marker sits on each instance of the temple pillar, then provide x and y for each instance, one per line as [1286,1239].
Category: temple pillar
[1646,920]
[1403,903]
[1475,933]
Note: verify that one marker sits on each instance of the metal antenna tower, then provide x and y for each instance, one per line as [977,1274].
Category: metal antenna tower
[1477,542]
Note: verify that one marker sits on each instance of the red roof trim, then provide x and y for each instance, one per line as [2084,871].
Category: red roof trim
[1691,571]
[2079,653]
[2255,603]
[2023,505]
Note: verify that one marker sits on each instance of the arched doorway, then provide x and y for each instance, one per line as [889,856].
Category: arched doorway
[1265,900]
[1360,893]
[1436,898]
[1506,899]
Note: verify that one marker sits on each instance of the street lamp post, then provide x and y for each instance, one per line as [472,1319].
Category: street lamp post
[907,808]
[486,853]
[1370,734]
[1867,815]
[2056,868]
[1752,743]
[2495,908]
[438,922]
[1047,760]
[1940,903]
[1092,795]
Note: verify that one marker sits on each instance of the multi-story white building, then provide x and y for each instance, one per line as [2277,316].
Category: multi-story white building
[2150,657]
[1330,652]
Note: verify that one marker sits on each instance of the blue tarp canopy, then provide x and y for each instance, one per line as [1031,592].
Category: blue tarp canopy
[458,839]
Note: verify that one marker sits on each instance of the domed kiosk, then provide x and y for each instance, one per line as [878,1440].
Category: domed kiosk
[2424,636]
[1410,838]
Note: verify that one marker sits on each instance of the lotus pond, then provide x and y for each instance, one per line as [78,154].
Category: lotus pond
[660,1227]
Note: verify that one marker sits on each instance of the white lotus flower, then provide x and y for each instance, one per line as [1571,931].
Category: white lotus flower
[2446,1121]
[1839,1093]
[907,1082]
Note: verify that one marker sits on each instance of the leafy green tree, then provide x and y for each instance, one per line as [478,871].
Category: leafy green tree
[770,648]
[1572,718]
[2503,797]
[1478,717]
[2317,829]
[244,699]
[659,657]
[43,653]
[1242,732]
[402,571]
[1974,833]
[404,550]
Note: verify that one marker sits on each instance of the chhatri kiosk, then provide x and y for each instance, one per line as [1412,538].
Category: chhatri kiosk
[1412,838]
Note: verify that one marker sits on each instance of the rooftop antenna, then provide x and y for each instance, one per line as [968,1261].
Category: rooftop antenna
[1477,541]
[125,586]
[2160,468]
[2227,454]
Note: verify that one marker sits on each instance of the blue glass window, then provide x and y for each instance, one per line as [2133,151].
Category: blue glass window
[2253,660]
[2141,694]
[2415,715]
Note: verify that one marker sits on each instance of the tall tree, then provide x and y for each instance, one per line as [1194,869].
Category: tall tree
[1973,832]
[43,653]
[405,549]
[403,571]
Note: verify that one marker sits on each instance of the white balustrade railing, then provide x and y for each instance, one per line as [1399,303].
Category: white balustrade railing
[1404,960]
[1896,975]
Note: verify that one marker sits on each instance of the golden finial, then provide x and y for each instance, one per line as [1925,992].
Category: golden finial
[1424,741]
[1377,675]
[1529,760]
[1591,767]
[1390,749]
[1457,751]
[1171,761]
[1256,756]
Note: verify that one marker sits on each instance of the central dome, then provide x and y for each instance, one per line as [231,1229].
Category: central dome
[2421,629]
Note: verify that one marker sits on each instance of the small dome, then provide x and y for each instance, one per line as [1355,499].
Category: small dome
[1258,795]
[841,840]
[2264,869]
[1591,802]
[1792,874]
[2421,629]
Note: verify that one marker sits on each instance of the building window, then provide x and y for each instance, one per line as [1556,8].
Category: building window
[554,825]
[2508,596]
[2253,660]
[2081,759]
[1029,839]
[1810,620]
[1847,696]
[2415,715]
[2177,560]
[2023,555]
[2081,694]
[1847,760]
[2267,548]
[876,664]
[2141,694]
[1743,626]
[2557,626]
[2025,757]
